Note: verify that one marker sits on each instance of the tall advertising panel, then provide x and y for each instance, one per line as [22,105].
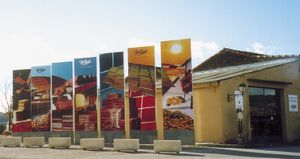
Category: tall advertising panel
[62,96]
[141,84]
[21,101]
[112,91]
[85,94]
[40,98]
[176,77]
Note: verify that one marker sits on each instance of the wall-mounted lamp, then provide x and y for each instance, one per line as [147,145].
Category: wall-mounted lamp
[242,89]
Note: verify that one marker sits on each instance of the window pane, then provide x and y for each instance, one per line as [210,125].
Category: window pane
[256,91]
[270,92]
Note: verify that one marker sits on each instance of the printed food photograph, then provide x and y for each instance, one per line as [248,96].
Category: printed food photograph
[40,98]
[21,101]
[62,96]
[112,91]
[85,94]
[141,84]
[176,77]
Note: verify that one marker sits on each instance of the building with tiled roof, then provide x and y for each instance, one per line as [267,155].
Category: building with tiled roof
[229,57]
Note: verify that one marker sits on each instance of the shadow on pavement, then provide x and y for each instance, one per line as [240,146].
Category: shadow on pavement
[184,154]
[165,153]
[284,149]
[133,152]
[238,152]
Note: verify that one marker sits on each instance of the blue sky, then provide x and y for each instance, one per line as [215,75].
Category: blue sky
[77,23]
[39,32]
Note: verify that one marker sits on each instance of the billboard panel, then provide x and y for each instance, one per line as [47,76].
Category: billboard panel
[62,96]
[112,91]
[85,94]
[141,84]
[21,101]
[176,77]
[40,98]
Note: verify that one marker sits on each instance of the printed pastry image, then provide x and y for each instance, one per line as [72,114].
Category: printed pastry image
[21,101]
[141,78]
[41,123]
[142,87]
[80,102]
[115,77]
[40,98]
[63,103]
[41,85]
[177,120]
[177,84]
[112,91]
[85,103]
[62,97]
[176,100]
[174,70]
[85,96]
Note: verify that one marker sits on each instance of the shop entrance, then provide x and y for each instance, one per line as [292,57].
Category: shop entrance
[265,115]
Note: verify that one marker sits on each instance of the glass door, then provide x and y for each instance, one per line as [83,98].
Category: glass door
[265,115]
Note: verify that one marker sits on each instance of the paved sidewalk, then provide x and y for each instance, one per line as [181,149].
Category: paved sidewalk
[188,153]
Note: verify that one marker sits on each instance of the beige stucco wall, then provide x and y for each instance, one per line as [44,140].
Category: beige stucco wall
[229,113]
[208,113]
[209,122]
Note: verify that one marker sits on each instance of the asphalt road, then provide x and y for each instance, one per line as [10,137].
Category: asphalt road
[108,153]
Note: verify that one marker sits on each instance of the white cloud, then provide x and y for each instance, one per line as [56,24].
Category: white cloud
[203,50]
[265,49]
[257,47]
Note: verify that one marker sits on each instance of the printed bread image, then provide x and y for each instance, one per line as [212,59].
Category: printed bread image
[141,78]
[80,102]
[41,123]
[41,84]
[174,71]
[177,120]
[63,103]
[115,77]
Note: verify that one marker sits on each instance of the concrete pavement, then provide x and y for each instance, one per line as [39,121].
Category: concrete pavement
[188,153]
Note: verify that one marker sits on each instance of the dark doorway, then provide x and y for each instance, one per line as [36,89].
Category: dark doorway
[265,115]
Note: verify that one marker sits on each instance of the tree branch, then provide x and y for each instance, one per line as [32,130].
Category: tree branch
[6,99]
